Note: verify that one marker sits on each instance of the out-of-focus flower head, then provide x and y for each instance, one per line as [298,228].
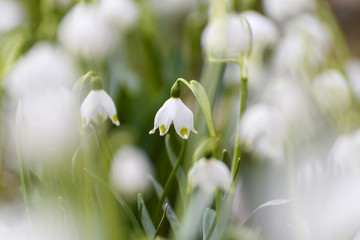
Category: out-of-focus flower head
[121,14]
[98,106]
[171,8]
[47,125]
[130,171]
[208,174]
[331,92]
[227,37]
[305,45]
[11,15]
[85,34]
[344,155]
[262,131]
[282,10]
[264,31]
[45,66]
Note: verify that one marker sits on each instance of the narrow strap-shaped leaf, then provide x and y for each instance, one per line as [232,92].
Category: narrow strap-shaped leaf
[118,198]
[170,214]
[180,175]
[271,203]
[161,222]
[145,217]
[209,224]
[204,103]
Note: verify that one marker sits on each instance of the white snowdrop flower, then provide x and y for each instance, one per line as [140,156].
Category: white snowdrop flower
[176,112]
[262,131]
[98,106]
[121,14]
[282,10]
[11,15]
[208,174]
[130,171]
[227,37]
[306,45]
[264,31]
[47,126]
[344,155]
[352,69]
[45,66]
[84,33]
[331,91]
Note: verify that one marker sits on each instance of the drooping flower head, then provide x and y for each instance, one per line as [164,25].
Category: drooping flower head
[176,112]
[98,106]
[208,174]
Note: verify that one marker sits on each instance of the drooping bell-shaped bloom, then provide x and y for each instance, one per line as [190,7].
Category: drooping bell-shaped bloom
[176,112]
[208,174]
[130,171]
[121,14]
[226,37]
[85,34]
[98,106]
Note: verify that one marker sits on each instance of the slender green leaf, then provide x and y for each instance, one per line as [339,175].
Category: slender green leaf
[205,147]
[170,214]
[204,103]
[209,224]
[117,197]
[271,203]
[180,175]
[145,217]
[161,222]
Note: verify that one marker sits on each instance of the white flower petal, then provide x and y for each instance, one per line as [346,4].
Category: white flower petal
[208,174]
[98,106]
[174,111]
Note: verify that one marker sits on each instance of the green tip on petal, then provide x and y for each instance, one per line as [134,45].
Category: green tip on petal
[162,129]
[184,132]
[116,120]
[100,118]
[83,122]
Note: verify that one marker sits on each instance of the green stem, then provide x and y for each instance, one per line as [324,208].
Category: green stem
[243,99]
[170,179]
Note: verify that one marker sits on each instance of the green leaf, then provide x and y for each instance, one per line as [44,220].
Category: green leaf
[271,203]
[170,214]
[117,197]
[209,224]
[205,147]
[145,217]
[204,103]
[180,175]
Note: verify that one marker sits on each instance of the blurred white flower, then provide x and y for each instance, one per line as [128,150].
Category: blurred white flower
[84,33]
[226,37]
[130,171]
[176,112]
[208,174]
[344,156]
[330,207]
[98,106]
[262,131]
[172,7]
[11,15]
[44,67]
[305,45]
[121,14]
[282,10]
[352,69]
[309,171]
[264,31]
[47,127]
[331,91]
